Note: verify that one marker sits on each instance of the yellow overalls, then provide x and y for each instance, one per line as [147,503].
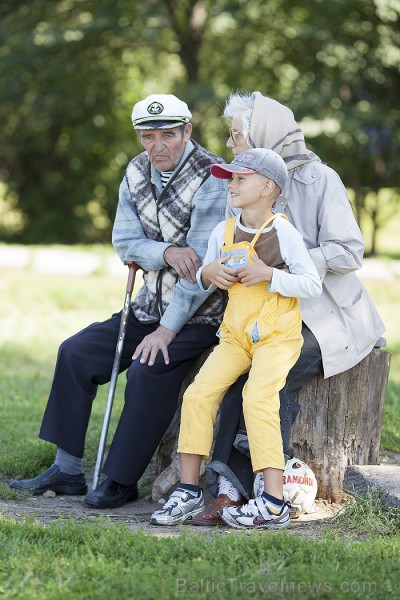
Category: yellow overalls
[260,334]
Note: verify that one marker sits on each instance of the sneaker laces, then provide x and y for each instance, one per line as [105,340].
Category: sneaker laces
[257,506]
[250,509]
[226,487]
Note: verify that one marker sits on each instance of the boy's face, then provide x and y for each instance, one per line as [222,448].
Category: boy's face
[246,189]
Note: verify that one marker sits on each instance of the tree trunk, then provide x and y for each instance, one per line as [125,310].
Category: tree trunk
[340,421]
[339,425]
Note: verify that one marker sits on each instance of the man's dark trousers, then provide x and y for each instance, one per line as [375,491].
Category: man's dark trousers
[85,361]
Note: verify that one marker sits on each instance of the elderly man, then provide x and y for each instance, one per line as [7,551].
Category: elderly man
[339,328]
[168,206]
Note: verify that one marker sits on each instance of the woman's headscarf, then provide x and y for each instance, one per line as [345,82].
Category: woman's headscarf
[272,125]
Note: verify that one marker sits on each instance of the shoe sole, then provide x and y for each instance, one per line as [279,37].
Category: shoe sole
[57,489]
[184,519]
[109,504]
[207,523]
[273,526]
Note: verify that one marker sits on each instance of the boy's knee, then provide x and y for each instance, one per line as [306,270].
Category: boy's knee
[195,403]
[189,401]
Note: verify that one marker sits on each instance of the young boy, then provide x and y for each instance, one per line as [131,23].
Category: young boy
[269,269]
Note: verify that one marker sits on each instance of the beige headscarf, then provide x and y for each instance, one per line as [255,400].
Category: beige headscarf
[272,125]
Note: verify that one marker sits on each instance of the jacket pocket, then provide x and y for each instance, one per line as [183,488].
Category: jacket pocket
[358,319]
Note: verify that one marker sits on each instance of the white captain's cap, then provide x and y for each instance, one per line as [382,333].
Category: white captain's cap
[160,111]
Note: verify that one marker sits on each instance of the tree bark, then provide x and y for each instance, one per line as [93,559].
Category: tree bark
[340,422]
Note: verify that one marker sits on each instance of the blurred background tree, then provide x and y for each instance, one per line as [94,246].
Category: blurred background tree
[70,71]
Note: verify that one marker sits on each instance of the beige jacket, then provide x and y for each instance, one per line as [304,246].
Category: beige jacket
[343,319]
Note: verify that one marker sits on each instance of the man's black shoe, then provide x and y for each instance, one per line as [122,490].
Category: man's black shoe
[52,479]
[111,494]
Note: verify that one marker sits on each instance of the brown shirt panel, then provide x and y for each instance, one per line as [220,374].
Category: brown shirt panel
[266,247]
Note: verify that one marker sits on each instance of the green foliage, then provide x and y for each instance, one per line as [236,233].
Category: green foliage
[70,72]
[7,493]
[390,438]
[64,81]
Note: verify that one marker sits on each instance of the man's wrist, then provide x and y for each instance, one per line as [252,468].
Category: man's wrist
[165,251]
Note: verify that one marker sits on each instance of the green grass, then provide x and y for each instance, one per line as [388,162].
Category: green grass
[368,516]
[37,312]
[357,558]
[94,561]
[386,297]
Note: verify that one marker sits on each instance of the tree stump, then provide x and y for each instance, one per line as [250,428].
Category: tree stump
[339,425]
[340,421]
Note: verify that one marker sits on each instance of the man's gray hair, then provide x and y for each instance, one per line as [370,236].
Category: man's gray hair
[239,105]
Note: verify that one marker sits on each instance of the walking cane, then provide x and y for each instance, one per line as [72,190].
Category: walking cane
[133,267]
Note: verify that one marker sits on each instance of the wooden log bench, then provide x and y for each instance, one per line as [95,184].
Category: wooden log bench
[340,421]
[339,425]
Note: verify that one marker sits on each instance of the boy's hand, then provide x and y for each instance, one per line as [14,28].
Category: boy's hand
[218,274]
[255,273]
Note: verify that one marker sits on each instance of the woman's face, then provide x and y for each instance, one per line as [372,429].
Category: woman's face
[237,141]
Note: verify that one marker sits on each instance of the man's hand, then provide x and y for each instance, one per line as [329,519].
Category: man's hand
[258,272]
[218,274]
[160,339]
[184,260]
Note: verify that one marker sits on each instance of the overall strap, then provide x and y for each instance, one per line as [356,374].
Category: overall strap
[229,230]
[267,222]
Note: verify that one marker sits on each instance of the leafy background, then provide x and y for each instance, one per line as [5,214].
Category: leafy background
[70,71]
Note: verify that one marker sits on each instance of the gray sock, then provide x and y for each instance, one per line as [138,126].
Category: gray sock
[71,465]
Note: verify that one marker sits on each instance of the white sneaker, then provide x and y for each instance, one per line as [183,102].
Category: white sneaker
[179,508]
[226,487]
[255,514]
[258,488]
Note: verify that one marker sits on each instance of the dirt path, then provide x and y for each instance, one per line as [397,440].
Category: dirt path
[47,509]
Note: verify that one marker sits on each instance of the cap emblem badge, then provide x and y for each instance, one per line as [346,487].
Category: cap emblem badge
[246,158]
[155,108]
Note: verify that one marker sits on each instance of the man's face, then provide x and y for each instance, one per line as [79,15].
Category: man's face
[165,146]
[237,141]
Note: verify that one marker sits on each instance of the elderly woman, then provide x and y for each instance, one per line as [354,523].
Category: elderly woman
[339,328]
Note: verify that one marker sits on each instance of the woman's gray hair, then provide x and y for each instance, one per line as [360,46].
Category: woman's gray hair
[239,105]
